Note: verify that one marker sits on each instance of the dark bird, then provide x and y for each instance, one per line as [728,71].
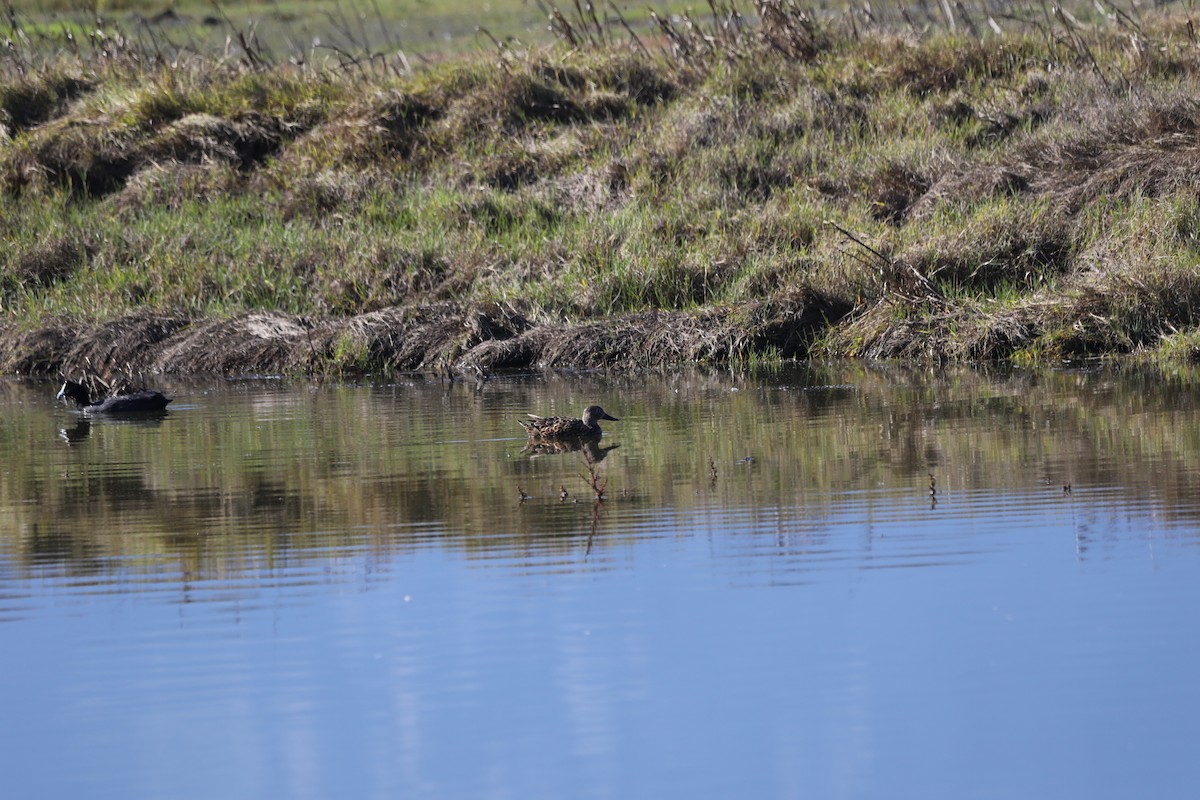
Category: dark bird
[567,427]
[78,394]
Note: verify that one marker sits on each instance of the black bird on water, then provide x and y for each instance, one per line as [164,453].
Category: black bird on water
[78,394]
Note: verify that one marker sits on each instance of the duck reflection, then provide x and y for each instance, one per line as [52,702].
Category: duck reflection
[592,450]
[82,429]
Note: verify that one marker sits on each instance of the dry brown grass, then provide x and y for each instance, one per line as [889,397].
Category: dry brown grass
[472,339]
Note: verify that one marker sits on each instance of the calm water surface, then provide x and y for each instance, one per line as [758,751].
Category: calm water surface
[284,589]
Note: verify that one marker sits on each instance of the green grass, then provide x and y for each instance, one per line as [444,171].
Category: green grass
[992,196]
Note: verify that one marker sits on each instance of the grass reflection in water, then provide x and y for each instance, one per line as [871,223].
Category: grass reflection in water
[242,477]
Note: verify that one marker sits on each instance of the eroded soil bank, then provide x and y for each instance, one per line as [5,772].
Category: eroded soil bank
[446,338]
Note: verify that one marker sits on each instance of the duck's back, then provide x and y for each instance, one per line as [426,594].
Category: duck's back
[128,403]
[551,427]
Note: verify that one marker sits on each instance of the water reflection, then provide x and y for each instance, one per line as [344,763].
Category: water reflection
[829,580]
[255,468]
[591,448]
[78,432]
[82,427]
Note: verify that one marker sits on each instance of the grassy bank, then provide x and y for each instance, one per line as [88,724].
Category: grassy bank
[778,187]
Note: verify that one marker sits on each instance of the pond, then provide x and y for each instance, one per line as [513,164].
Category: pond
[815,581]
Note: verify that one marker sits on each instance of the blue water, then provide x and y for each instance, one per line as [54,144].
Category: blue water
[781,631]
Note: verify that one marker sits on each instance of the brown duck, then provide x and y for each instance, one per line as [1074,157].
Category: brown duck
[567,427]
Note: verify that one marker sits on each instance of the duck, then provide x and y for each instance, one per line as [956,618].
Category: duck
[567,427]
[78,394]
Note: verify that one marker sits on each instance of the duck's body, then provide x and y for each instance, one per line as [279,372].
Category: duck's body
[567,427]
[78,394]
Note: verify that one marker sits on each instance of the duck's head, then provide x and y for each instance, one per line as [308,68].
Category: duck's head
[593,414]
[76,393]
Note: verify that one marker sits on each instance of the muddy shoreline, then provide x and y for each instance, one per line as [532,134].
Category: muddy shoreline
[459,338]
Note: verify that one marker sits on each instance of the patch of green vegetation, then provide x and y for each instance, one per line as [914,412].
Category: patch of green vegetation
[966,195]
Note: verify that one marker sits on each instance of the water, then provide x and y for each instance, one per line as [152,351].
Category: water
[284,589]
